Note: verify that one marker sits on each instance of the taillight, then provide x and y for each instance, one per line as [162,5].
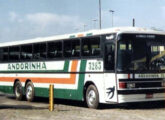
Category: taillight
[163,84]
[122,85]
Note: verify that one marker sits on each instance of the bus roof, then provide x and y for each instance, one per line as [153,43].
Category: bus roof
[84,34]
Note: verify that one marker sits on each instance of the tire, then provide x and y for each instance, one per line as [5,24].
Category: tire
[92,97]
[29,92]
[18,91]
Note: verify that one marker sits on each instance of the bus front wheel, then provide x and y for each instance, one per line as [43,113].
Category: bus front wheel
[92,97]
[30,92]
[18,90]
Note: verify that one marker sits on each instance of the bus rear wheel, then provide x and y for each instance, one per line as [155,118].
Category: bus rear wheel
[92,97]
[18,90]
[29,92]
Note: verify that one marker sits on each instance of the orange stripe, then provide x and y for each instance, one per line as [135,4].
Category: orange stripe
[70,80]
[80,35]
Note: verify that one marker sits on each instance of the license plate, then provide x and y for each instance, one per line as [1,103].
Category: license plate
[148,96]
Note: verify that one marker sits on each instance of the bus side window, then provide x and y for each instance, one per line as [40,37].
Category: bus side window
[54,50]
[14,53]
[36,51]
[4,54]
[72,48]
[91,46]
[95,47]
[1,54]
[67,48]
[26,52]
[43,53]
[75,48]
[109,61]
[39,51]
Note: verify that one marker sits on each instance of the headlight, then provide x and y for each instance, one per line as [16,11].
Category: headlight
[130,85]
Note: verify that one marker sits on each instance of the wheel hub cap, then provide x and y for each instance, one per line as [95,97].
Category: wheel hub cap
[29,92]
[18,91]
[91,97]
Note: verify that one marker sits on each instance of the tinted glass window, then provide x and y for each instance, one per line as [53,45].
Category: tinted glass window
[72,48]
[43,53]
[1,54]
[54,49]
[91,46]
[125,53]
[14,53]
[75,48]
[67,48]
[36,51]
[4,54]
[141,52]
[39,51]
[109,56]
[26,52]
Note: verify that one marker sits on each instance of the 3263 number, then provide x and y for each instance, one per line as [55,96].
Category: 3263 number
[94,65]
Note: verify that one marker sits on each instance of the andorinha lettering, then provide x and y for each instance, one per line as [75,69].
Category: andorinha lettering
[148,75]
[27,66]
[151,75]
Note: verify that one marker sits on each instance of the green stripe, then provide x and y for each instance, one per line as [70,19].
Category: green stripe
[81,80]
[66,66]
[72,36]
[6,89]
[89,34]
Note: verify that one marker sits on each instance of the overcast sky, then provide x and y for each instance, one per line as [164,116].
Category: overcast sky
[25,19]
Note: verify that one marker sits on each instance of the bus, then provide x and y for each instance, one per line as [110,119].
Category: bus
[109,66]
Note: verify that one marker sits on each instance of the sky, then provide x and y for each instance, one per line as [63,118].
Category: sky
[27,19]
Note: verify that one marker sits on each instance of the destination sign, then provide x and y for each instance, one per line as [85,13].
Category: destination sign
[146,36]
[161,75]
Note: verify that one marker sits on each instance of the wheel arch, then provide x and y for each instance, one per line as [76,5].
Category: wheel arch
[90,85]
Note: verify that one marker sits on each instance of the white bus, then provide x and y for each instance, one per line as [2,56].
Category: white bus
[110,66]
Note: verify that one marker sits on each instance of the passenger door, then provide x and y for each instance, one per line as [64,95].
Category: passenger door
[109,73]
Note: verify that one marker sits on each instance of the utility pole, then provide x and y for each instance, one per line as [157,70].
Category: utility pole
[112,11]
[100,14]
[133,22]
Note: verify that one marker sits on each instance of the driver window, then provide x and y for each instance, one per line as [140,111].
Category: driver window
[109,61]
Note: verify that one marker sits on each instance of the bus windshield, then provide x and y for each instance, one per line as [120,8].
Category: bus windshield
[141,52]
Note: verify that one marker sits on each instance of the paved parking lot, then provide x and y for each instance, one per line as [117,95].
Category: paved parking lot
[10,109]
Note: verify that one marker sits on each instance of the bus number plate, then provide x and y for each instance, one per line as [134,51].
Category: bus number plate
[94,65]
